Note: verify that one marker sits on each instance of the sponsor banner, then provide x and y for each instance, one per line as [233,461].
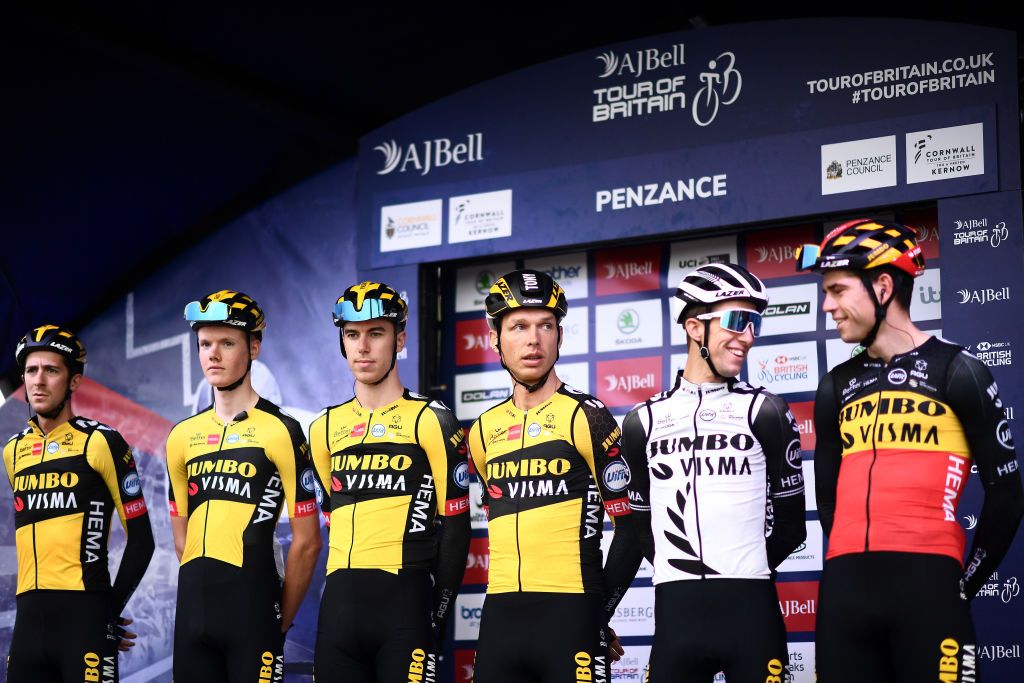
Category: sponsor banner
[473,283]
[858,165]
[772,253]
[798,601]
[646,571]
[468,609]
[926,303]
[422,157]
[576,375]
[477,562]
[482,216]
[575,332]
[633,665]
[926,222]
[464,664]
[631,269]
[801,663]
[624,383]
[635,614]
[685,256]
[997,651]
[803,413]
[784,368]
[628,325]
[942,153]
[979,232]
[790,310]
[810,495]
[995,353]
[568,270]
[665,191]
[473,343]
[980,296]
[410,226]
[478,391]
[1002,586]
[809,557]
[477,517]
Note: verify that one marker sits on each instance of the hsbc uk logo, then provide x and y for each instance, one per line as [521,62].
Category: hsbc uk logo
[993,353]
[428,155]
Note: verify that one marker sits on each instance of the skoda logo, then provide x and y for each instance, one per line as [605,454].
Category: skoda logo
[897,376]
[484,280]
[628,321]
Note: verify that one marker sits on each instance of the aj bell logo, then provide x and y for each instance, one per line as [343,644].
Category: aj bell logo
[430,154]
[475,341]
[783,254]
[626,271]
[640,62]
[630,382]
[983,296]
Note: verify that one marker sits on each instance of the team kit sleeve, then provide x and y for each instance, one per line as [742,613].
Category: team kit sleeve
[828,451]
[291,457]
[109,454]
[598,439]
[9,459]
[320,453]
[443,440]
[776,431]
[974,397]
[177,476]
[634,453]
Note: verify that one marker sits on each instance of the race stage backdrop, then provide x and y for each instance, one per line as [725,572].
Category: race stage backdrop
[618,169]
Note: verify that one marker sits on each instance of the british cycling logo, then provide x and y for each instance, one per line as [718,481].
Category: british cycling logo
[428,155]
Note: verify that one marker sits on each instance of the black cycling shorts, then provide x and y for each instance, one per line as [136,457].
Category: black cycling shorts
[542,638]
[711,625]
[374,626]
[61,636]
[888,616]
[228,625]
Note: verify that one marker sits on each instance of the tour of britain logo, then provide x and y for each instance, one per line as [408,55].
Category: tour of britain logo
[977,231]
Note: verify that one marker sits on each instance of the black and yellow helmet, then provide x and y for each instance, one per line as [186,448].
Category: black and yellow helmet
[863,244]
[524,289]
[56,339]
[228,308]
[368,301]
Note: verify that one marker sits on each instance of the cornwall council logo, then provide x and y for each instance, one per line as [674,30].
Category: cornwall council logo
[834,171]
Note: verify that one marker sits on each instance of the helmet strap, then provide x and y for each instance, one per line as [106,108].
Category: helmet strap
[705,353]
[394,359]
[880,309]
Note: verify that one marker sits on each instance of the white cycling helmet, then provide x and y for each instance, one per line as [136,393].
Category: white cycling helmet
[716,282]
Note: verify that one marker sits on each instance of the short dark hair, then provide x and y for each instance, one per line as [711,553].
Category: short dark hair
[902,284]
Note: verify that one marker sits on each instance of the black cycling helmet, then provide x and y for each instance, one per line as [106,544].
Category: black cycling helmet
[228,308]
[371,301]
[862,245]
[524,289]
[53,338]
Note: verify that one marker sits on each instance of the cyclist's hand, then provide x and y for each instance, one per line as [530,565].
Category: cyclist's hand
[117,633]
[615,648]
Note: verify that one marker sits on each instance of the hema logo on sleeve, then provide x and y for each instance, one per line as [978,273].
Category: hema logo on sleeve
[858,165]
[656,194]
[409,226]
[953,152]
[628,325]
[480,216]
[428,155]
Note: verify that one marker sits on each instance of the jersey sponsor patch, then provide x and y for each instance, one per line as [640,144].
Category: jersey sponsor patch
[232,439]
[131,485]
[212,439]
[533,430]
[52,447]
[359,429]
[377,430]
[897,376]
[461,475]
[615,476]
[37,448]
[1003,435]
[307,480]
[304,508]
[136,508]
[617,507]
[457,506]
[515,432]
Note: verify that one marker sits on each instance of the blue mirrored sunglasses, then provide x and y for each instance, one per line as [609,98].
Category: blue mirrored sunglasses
[215,311]
[346,311]
[736,320]
[808,256]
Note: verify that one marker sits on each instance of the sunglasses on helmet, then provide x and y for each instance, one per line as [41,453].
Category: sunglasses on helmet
[736,320]
[345,310]
[215,311]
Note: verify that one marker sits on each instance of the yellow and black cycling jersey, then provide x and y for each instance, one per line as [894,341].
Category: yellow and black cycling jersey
[549,474]
[66,486]
[388,473]
[230,481]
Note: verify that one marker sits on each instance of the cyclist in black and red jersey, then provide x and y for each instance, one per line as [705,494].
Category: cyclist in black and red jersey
[898,429]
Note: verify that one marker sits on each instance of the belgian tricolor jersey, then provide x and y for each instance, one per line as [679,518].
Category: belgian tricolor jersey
[66,486]
[549,475]
[231,479]
[896,443]
[387,474]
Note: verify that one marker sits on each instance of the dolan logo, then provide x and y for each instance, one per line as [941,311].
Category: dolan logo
[461,475]
[131,484]
[616,476]
[897,376]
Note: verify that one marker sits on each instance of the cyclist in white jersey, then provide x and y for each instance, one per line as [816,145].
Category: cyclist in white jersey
[717,492]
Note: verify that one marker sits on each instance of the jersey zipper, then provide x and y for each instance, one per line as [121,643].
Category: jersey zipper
[206,520]
[519,552]
[694,463]
[871,467]
[352,517]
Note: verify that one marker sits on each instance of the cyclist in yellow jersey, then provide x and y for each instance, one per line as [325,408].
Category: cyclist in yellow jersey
[231,468]
[69,474]
[393,471]
[550,464]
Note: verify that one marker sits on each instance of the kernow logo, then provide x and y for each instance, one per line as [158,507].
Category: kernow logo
[430,154]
